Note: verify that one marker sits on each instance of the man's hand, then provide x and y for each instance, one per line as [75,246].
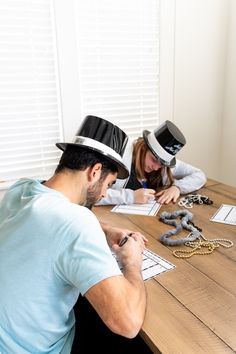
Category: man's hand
[130,253]
[120,300]
[115,234]
[167,195]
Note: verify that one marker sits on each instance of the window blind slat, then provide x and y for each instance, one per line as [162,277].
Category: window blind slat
[17,150]
[118,51]
[28,163]
[30,116]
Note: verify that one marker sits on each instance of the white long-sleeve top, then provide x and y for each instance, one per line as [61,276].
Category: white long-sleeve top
[186,177]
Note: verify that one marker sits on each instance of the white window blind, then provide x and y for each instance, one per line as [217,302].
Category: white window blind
[29,93]
[118,50]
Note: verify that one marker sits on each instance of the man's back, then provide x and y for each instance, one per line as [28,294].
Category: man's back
[41,274]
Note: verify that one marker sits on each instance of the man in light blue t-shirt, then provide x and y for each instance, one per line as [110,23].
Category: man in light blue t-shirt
[52,248]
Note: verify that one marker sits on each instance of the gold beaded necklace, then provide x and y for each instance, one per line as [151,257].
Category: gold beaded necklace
[202,243]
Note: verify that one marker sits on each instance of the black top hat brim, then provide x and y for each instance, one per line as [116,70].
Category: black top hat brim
[172,163]
[123,172]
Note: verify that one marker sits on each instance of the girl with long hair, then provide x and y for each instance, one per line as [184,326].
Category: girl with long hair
[155,173]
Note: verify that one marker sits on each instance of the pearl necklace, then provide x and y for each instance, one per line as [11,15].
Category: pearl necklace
[190,199]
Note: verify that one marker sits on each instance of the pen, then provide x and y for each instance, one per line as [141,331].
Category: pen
[123,241]
[144,183]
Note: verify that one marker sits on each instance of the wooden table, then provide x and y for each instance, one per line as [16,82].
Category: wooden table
[192,308]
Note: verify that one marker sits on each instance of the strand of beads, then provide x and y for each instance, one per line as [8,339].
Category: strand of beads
[198,243]
[202,242]
[190,199]
[196,249]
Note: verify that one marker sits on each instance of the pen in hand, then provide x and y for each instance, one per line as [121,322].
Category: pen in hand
[123,241]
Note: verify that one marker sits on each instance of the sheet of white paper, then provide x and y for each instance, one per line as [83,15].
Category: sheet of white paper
[153,265]
[149,209]
[226,214]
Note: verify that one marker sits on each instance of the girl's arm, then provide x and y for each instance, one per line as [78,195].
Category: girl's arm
[117,196]
[187,177]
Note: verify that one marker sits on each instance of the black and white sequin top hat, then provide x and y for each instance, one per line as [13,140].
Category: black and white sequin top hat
[164,142]
[102,136]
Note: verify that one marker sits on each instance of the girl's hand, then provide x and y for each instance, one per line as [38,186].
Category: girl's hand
[167,195]
[144,195]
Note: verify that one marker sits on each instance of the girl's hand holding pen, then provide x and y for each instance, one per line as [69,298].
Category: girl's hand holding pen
[144,195]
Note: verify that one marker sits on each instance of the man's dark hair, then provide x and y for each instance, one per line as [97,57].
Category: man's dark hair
[77,158]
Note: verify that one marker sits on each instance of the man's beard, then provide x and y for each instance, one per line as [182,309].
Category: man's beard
[93,195]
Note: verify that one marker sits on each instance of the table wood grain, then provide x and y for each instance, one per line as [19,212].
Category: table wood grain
[192,308]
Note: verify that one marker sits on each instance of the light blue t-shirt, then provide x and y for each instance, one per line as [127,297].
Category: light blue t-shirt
[50,251]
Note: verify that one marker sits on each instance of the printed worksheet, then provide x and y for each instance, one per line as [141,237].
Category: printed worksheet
[149,209]
[226,214]
[153,265]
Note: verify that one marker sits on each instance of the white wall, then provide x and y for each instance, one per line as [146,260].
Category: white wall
[198,83]
[227,166]
[199,88]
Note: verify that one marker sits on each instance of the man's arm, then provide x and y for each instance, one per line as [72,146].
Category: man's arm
[120,301]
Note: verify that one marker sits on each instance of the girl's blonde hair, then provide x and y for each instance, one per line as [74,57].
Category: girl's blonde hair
[154,178]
